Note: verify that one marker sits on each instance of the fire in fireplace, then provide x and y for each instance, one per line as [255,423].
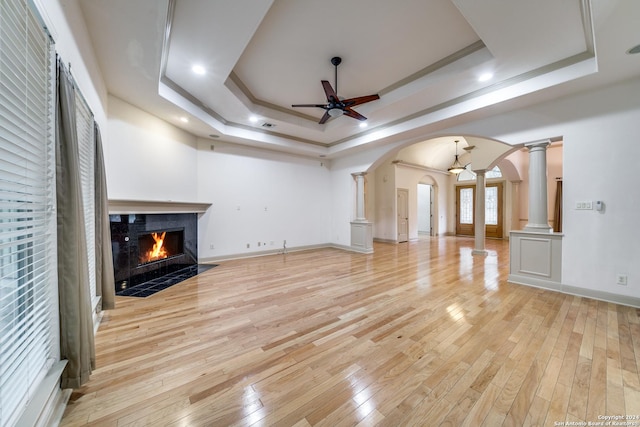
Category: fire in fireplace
[159,245]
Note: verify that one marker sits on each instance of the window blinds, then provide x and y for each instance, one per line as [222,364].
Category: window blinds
[28,287]
[86,147]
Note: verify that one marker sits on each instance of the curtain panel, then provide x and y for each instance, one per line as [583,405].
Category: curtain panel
[76,320]
[557,211]
[105,282]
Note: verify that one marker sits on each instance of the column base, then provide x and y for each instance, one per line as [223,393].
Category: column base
[538,228]
[362,236]
[479,252]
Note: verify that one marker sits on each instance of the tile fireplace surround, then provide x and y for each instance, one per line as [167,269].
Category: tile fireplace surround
[132,224]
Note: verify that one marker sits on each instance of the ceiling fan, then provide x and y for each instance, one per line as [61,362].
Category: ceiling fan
[335,106]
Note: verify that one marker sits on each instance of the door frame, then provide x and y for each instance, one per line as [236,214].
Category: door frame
[492,231]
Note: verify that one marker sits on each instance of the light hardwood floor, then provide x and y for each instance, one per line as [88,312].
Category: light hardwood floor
[416,334]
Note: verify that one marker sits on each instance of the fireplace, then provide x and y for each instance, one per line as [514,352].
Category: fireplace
[159,245]
[150,246]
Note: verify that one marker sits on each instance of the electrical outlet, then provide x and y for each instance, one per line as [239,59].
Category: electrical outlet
[211,246]
[621,279]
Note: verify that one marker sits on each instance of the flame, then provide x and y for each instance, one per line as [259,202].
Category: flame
[158,251]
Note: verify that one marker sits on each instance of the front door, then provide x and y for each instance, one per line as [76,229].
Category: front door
[465,210]
[403,215]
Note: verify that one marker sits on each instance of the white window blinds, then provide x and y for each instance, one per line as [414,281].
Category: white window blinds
[28,286]
[86,148]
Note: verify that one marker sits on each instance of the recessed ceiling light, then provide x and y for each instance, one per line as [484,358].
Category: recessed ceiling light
[184,119]
[485,77]
[198,69]
[253,119]
[633,50]
[363,124]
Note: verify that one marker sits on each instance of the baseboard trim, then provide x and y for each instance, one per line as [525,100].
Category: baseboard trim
[49,402]
[229,257]
[574,290]
[378,240]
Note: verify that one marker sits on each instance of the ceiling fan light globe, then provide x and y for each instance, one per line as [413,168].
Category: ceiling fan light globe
[335,112]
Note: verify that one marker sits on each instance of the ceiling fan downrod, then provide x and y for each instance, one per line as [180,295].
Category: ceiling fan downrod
[336,60]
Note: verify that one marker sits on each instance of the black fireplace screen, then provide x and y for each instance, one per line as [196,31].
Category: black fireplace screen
[159,245]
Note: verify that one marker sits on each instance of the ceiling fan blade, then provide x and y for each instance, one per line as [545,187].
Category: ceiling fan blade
[309,105]
[351,102]
[349,112]
[324,118]
[332,96]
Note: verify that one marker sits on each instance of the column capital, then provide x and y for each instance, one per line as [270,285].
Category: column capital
[480,172]
[538,144]
[357,174]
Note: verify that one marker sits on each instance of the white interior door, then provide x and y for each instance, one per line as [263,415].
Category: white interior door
[403,215]
[424,209]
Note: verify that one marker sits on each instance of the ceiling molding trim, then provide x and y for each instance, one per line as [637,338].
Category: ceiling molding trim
[276,134]
[166,81]
[164,55]
[242,92]
[419,166]
[448,60]
[587,25]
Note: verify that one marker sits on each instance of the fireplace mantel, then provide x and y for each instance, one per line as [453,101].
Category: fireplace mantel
[123,206]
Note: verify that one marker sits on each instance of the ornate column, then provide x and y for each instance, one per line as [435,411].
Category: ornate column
[361,229]
[359,177]
[538,211]
[480,214]
[535,253]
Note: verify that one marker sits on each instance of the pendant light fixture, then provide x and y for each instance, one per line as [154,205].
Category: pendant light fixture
[456,167]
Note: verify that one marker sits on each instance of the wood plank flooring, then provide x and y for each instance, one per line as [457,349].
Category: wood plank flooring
[416,334]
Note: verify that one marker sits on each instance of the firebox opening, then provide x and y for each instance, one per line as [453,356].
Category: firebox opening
[159,245]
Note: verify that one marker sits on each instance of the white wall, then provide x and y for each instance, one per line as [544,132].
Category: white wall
[148,158]
[261,197]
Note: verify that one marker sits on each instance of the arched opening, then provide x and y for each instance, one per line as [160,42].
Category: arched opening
[421,168]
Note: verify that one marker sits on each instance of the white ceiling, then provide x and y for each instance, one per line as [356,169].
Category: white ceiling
[422,57]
